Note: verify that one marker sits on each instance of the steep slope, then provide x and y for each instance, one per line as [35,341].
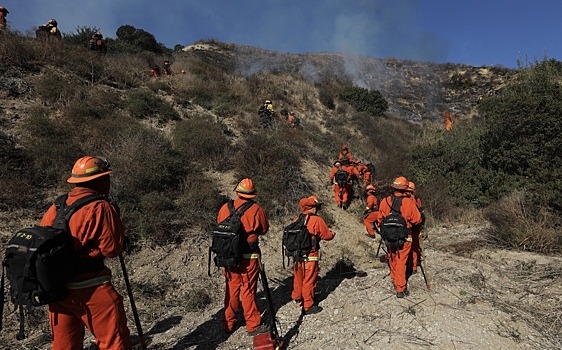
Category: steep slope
[480,298]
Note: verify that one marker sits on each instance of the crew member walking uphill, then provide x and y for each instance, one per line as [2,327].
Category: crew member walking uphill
[97,233]
[242,280]
[306,272]
[399,202]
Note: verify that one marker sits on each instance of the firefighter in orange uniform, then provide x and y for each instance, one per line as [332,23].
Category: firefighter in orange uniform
[371,211]
[242,281]
[364,172]
[398,257]
[345,153]
[306,272]
[98,233]
[414,259]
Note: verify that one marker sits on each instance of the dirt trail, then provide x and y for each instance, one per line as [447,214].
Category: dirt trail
[480,298]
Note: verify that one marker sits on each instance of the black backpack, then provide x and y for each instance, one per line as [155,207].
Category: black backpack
[40,260]
[297,241]
[228,243]
[371,168]
[393,227]
[341,177]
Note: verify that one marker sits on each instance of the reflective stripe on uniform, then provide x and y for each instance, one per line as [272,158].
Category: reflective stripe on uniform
[312,258]
[250,256]
[89,283]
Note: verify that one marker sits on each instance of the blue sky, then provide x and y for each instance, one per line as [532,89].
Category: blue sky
[474,32]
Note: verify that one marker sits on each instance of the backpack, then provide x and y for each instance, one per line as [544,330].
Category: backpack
[393,227]
[371,168]
[228,243]
[40,260]
[341,177]
[297,242]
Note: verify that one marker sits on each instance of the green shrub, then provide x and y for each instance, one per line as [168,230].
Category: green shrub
[48,142]
[364,100]
[275,166]
[203,141]
[143,104]
[154,219]
[15,190]
[199,201]
[56,88]
[523,137]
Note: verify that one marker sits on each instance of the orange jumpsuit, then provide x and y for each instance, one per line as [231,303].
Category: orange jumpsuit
[398,258]
[242,281]
[372,210]
[343,197]
[306,272]
[346,154]
[414,260]
[92,301]
[364,172]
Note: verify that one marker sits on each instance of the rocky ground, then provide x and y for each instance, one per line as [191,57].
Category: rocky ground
[480,298]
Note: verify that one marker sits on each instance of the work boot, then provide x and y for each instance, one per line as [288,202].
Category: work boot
[403,294]
[261,329]
[313,310]
[298,302]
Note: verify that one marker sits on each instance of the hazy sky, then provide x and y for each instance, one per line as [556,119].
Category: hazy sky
[475,32]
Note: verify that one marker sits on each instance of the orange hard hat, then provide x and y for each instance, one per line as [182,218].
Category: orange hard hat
[370,188]
[344,147]
[400,183]
[310,202]
[246,189]
[88,168]
[411,186]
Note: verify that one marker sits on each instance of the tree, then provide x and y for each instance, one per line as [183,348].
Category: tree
[140,38]
[524,132]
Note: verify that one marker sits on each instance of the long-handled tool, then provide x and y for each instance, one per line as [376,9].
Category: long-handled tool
[132,300]
[424,276]
[270,340]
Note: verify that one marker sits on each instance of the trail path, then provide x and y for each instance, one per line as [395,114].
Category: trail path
[480,298]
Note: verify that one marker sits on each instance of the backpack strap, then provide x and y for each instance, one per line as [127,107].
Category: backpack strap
[64,212]
[396,204]
[240,211]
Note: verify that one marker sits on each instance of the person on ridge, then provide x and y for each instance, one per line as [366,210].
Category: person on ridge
[371,211]
[305,273]
[3,13]
[52,28]
[242,281]
[266,114]
[97,233]
[414,258]
[166,65]
[96,43]
[398,257]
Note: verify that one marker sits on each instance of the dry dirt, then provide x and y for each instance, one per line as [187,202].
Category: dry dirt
[479,299]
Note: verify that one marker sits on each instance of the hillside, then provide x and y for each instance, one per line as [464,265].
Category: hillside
[480,297]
